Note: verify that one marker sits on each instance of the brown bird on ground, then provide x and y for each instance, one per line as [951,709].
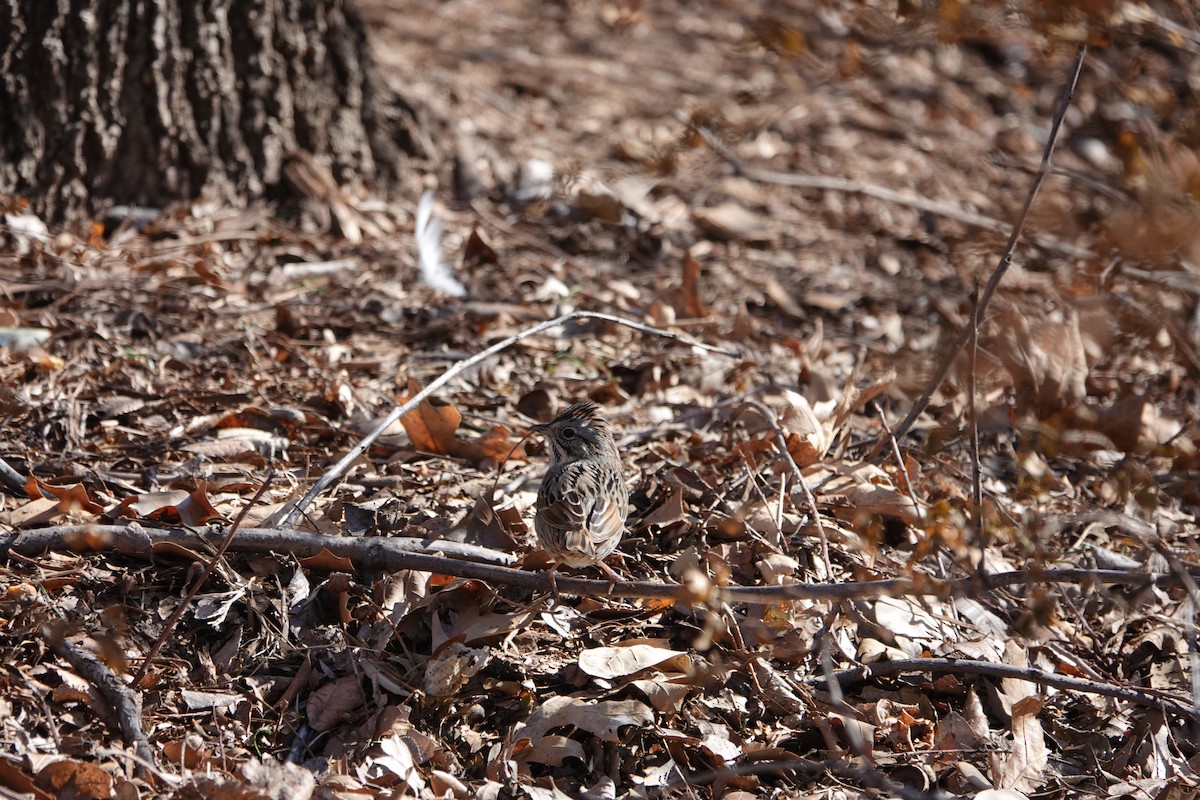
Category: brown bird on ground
[583,499]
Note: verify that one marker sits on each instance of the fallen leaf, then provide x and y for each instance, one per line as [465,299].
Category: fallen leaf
[602,719]
[398,759]
[732,222]
[194,510]
[855,492]
[431,427]
[1045,359]
[1025,767]
[665,694]
[326,561]
[617,662]
[452,666]
[271,778]
[552,750]
[807,437]
[71,499]
[79,780]
[334,702]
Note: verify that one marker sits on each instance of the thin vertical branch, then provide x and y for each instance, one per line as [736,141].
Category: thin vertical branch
[169,627]
[902,470]
[973,416]
[810,500]
[1005,259]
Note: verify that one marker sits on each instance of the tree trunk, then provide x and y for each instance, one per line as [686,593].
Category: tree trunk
[145,102]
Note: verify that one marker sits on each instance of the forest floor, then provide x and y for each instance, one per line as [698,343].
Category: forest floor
[796,201]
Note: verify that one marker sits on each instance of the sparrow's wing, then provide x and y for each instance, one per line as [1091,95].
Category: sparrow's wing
[586,516]
[606,519]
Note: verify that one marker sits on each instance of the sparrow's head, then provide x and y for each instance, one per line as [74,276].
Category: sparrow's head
[578,432]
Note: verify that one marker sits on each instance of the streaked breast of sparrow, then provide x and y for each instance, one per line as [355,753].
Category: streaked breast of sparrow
[583,499]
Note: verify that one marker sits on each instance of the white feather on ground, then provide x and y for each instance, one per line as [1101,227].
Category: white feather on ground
[434,270]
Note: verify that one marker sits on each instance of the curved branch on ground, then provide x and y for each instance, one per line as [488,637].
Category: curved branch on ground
[1150,698]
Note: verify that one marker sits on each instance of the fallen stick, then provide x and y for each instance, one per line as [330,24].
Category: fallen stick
[382,553]
[125,702]
[834,184]
[133,539]
[1151,698]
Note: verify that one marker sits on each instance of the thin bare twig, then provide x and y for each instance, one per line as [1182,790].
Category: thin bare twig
[1151,698]
[133,539]
[900,466]
[457,369]
[831,184]
[208,570]
[867,776]
[1189,614]
[11,478]
[122,699]
[150,767]
[973,418]
[748,479]
[810,500]
[1005,258]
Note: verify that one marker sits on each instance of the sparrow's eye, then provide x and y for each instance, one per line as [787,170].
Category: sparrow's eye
[568,433]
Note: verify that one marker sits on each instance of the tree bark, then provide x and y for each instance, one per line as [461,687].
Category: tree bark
[146,102]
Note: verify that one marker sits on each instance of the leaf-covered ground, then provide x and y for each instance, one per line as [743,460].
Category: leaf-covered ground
[818,188]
